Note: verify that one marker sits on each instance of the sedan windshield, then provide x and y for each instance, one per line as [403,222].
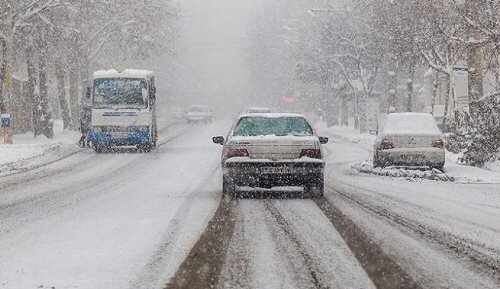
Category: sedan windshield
[278,126]
[120,92]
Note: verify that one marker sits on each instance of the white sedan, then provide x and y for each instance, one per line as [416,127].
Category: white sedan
[409,139]
[271,149]
[200,113]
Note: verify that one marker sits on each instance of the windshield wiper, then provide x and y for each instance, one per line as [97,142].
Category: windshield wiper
[126,107]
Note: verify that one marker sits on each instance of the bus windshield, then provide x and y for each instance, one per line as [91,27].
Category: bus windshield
[128,92]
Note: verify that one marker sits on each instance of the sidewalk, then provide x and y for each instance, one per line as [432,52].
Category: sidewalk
[26,149]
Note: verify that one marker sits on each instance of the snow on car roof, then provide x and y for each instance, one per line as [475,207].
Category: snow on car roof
[127,73]
[258,108]
[272,115]
[410,123]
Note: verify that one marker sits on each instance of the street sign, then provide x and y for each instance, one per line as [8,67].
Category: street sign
[5,120]
[460,82]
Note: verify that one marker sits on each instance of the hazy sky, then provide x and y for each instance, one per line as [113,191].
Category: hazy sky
[212,52]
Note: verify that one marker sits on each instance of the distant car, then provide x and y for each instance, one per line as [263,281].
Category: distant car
[257,110]
[200,113]
[409,139]
[176,113]
[264,150]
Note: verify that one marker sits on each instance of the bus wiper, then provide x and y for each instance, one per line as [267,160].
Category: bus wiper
[130,107]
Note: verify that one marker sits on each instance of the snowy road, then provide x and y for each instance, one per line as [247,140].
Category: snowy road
[139,220]
[444,235]
[111,220]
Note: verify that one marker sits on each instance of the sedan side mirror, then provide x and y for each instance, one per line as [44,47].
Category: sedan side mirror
[218,140]
[323,140]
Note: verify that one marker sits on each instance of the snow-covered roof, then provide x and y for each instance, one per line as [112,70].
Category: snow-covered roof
[410,123]
[127,73]
[258,109]
[272,115]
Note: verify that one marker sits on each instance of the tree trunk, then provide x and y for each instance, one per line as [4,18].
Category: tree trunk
[8,54]
[474,61]
[73,95]
[409,84]
[447,100]
[61,92]
[356,110]
[85,73]
[393,85]
[344,109]
[435,88]
[30,90]
[46,124]
[2,72]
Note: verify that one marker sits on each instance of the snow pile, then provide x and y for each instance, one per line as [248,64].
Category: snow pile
[27,152]
[402,172]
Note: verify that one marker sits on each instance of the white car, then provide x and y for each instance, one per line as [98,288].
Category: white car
[264,150]
[200,113]
[409,139]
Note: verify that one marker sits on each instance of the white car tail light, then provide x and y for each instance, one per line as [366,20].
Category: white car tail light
[232,153]
[386,145]
[311,153]
[438,144]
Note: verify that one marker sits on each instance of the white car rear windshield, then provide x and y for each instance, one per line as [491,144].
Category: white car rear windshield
[277,126]
[410,123]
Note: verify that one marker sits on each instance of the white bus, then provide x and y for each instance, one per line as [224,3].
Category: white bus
[123,110]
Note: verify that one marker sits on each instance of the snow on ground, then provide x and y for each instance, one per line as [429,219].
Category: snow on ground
[453,170]
[345,133]
[110,220]
[277,243]
[445,234]
[29,151]
[401,172]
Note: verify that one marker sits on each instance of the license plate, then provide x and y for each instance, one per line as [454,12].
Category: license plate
[276,170]
[120,135]
[413,158]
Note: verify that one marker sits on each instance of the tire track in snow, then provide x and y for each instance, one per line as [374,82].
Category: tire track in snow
[154,272]
[382,270]
[202,267]
[53,200]
[483,258]
[312,270]
[36,172]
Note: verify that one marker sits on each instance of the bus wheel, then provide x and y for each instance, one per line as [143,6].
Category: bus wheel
[146,148]
[98,149]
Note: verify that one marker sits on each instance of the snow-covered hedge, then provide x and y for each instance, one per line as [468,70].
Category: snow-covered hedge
[477,138]
[398,172]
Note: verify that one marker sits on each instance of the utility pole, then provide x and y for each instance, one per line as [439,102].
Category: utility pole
[8,55]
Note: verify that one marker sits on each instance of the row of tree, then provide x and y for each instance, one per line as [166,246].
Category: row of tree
[364,46]
[363,49]
[60,42]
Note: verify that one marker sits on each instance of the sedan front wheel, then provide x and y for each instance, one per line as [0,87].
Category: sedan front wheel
[315,188]
[228,186]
